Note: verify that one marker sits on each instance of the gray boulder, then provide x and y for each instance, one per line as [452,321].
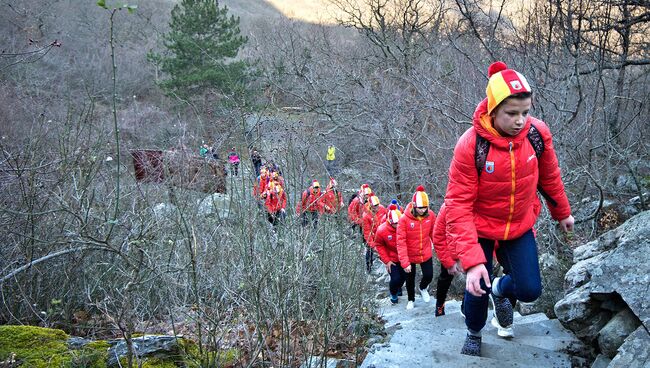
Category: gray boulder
[158,345]
[612,336]
[606,296]
[218,205]
[635,351]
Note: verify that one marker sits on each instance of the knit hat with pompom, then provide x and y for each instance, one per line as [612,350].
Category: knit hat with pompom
[373,200]
[503,83]
[420,198]
[393,214]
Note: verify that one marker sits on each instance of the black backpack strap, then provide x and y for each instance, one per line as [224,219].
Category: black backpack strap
[535,139]
[480,153]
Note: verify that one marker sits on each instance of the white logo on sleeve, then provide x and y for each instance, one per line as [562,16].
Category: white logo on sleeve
[531,157]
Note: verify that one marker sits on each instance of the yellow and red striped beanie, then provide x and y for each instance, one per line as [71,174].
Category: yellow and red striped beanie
[373,200]
[420,198]
[393,214]
[503,83]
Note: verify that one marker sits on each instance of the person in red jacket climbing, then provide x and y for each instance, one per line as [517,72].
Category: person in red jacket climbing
[497,167]
[356,205]
[386,245]
[372,218]
[415,244]
[275,201]
[311,205]
[333,199]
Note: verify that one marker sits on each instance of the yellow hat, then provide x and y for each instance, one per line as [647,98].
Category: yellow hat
[503,83]
[420,198]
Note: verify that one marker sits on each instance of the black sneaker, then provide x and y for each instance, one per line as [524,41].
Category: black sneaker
[440,310]
[472,346]
[502,309]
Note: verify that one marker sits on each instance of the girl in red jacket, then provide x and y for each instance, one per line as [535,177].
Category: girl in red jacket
[386,245]
[415,244]
[498,202]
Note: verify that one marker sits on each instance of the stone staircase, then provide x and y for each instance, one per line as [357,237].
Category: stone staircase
[422,340]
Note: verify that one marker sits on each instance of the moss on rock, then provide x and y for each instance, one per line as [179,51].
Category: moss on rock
[36,347]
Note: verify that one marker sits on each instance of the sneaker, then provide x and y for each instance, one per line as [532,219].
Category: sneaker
[394,299]
[440,311]
[472,346]
[410,305]
[505,332]
[502,309]
[425,295]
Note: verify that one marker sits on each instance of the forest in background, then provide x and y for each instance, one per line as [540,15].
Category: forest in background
[393,85]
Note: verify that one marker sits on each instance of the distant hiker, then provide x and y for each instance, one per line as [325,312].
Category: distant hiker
[214,154]
[311,205]
[261,184]
[415,244]
[372,218]
[233,158]
[203,150]
[386,245]
[330,159]
[256,159]
[498,200]
[333,199]
[449,264]
[275,201]
[277,177]
[355,207]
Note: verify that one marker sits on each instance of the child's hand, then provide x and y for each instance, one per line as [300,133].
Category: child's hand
[473,281]
[567,224]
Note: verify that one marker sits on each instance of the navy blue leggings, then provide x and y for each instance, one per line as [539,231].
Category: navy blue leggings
[522,280]
[397,278]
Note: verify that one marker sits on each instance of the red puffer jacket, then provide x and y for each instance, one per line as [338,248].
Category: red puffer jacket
[386,243]
[355,212]
[371,222]
[415,237]
[446,255]
[311,201]
[503,204]
[275,202]
[332,201]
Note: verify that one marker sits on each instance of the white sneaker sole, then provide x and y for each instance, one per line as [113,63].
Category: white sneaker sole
[505,332]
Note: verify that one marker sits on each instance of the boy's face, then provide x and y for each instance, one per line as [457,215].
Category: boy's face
[510,116]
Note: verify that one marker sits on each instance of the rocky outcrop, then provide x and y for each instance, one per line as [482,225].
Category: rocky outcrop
[606,302]
[144,346]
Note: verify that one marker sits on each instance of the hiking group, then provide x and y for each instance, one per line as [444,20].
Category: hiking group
[489,210]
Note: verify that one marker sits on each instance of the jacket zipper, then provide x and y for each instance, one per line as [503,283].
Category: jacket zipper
[512,191]
[421,246]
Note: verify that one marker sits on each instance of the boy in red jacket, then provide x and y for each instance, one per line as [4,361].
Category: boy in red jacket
[501,204]
[415,244]
[386,245]
[333,199]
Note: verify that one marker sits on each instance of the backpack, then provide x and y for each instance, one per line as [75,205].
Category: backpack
[534,137]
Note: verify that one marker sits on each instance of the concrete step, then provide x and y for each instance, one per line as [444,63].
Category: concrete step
[441,348]
[423,340]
